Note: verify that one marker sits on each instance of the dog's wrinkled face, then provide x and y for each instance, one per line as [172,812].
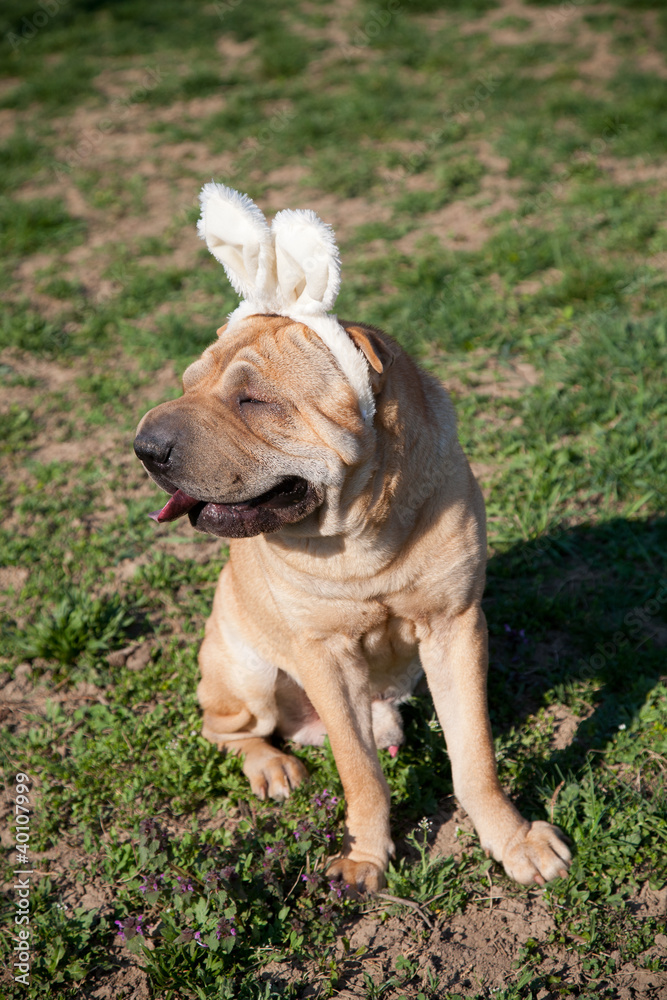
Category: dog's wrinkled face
[266,426]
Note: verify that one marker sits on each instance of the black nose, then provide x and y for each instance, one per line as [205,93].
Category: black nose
[153,448]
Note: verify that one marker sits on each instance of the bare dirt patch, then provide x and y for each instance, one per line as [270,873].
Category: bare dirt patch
[479,950]
[474,950]
[653,63]
[510,8]
[7,123]
[531,286]
[566,725]
[346,214]
[25,696]
[602,63]
[650,902]
[565,23]
[347,33]
[484,473]
[177,543]
[13,577]
[451,831]
[128,983]
[633,171]
[98,143]
[163,214]
[51,374]
[467,223]
[234,52]
[57,394]
[485,375]
[284,187]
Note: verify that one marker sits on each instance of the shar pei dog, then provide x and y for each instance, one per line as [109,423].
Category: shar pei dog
[358,542]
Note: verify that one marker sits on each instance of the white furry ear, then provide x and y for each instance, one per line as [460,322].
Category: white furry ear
[307,262]
[238,235]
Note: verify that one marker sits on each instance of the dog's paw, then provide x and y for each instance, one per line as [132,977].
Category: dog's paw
[273,775]
[536,853]
[356,876]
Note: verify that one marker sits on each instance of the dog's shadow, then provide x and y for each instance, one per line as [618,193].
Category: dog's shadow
[577,626]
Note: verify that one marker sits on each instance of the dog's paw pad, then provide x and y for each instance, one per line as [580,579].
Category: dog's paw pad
[277,776]
[536,853]
[356,876]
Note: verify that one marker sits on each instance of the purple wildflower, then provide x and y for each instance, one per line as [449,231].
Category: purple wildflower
[129,927]
[225,928]
[151,831]
[150,886]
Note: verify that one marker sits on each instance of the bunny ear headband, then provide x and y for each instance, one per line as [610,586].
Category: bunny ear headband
[292,269]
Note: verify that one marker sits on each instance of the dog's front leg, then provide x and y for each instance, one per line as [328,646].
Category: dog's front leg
[454,656]
[335,677]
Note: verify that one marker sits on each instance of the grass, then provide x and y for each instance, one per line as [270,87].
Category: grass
[29,226]
[507,227]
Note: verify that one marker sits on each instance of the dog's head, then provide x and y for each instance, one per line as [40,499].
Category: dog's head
[278,411]
[267,431]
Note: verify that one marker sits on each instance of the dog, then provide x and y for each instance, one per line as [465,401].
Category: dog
[357,546]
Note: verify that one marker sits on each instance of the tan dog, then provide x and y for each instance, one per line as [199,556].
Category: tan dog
[357,559]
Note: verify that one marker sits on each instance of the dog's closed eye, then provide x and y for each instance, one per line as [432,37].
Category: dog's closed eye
[252,401]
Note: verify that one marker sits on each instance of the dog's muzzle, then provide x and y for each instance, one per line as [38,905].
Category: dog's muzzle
[289,500]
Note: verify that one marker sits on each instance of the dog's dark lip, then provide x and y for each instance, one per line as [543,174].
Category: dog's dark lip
[289,491]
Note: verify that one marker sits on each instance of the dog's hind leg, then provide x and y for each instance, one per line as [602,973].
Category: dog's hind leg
[237,694]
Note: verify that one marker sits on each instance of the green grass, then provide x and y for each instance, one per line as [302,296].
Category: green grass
[107,298]
[29,226]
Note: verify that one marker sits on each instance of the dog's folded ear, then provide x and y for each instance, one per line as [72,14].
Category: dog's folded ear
[238,235]
[307,262]
[378,352]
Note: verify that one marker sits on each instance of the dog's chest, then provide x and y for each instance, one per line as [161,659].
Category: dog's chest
[390,644]
[388,641]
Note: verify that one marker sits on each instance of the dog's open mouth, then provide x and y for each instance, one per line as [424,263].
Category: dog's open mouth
[285,493]
[290,500]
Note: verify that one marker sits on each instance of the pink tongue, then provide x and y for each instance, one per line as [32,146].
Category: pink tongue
[392,751]
[176,506]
